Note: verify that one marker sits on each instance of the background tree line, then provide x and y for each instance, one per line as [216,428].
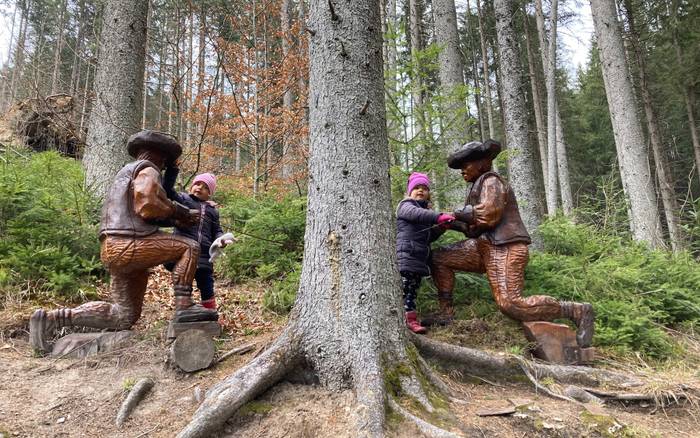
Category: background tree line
[229,80]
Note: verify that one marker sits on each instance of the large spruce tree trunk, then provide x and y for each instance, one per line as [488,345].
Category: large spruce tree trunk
[455,130]
[632,152]
[346,324]
[116,112]
[663,169]
[521,168]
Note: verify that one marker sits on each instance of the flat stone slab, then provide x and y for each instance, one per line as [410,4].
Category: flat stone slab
[211,328]
[81,345]
[556,343]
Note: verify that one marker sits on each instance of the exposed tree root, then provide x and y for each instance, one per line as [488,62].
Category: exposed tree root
[136,394]
[487,364]
[226,397]
[369,392]
[539,386]
[439,383]
[425,427]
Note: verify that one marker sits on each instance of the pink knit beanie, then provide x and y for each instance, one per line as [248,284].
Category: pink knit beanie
[416,179]
[207,178]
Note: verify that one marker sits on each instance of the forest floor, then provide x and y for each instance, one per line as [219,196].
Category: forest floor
[81,397]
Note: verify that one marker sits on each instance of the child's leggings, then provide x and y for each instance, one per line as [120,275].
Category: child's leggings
[410,282]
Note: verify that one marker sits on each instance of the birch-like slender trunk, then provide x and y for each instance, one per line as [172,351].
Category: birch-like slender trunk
[476,81]
[56,75]
[631,148]
[78,49]
[415,18]
[551,73]
[487,76]
[521,169]
[288,97]
[18,67]
[561,169]
[116,113]
[536,102]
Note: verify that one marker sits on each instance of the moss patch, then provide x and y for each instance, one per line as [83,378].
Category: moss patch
[255,407]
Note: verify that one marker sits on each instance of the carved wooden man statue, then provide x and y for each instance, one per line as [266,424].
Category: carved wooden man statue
[131,243]
[497,245]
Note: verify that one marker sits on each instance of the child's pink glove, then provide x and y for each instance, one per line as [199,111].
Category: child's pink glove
[445,218]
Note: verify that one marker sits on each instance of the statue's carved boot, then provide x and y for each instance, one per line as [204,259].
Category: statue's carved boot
[187,311]
[583,315]
[42,325]
[446,314]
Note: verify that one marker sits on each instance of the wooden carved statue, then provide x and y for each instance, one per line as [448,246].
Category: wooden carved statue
[497,245]
[131,243]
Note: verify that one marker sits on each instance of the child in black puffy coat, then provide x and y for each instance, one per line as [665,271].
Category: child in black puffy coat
[416,230]
[206,231]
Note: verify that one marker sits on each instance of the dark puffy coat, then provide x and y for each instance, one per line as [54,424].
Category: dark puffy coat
[207,230]
[414,234]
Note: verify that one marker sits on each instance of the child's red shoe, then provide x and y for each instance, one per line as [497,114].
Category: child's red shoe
[413,324]
[210,303]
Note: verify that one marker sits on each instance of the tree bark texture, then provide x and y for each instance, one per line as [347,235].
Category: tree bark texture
[663,169]
[288,97]
[415,19]
[116,112]
[487,76]
[451,74]
[536,102]
[521,169]
[561,169]
[632,152]
[455,130]
[345,325]
[550,72]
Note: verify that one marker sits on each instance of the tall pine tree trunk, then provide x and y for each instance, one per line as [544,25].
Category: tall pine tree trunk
[521,169]
[536,102]
[550,68]
[560,170]
[116,112]
[455,130]
[632,152]
[487,77]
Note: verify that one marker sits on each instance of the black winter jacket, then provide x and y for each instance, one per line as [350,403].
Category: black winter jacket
[206,230]
[414,234]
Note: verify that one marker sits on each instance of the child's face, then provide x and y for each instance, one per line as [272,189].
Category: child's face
[200,190]
[420,193]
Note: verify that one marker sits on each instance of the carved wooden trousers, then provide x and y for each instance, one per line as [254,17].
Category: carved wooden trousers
[504,266]
[128,261]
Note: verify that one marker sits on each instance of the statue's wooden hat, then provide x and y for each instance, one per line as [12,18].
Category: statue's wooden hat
[159,141]
[472,151]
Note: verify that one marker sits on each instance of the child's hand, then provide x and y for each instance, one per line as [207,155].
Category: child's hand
[445,218]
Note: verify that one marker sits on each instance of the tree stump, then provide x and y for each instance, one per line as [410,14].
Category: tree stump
[556,343]
[193,350]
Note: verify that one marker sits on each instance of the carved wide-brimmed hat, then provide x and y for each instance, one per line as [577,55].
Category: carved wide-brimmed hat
[472,151]
[159,141]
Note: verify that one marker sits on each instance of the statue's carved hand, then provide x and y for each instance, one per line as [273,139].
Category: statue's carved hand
[185,217]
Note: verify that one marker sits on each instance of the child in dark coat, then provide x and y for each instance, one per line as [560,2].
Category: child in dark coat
[416,230]
[207,229]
